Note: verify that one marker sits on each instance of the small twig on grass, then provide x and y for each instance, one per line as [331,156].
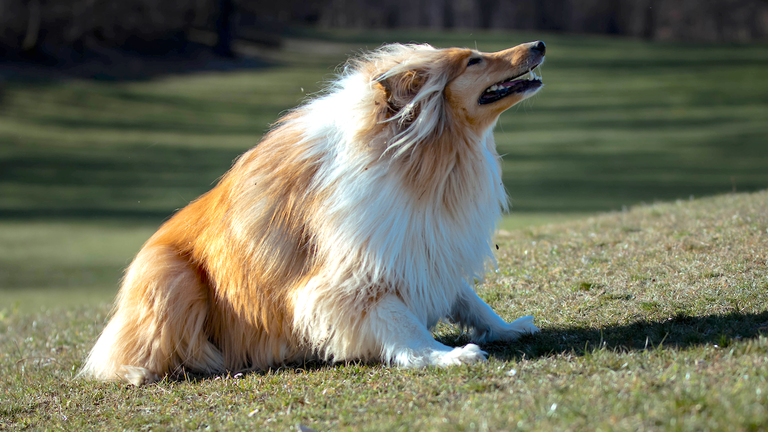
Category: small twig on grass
[58,403]
[19,361]
[661,344]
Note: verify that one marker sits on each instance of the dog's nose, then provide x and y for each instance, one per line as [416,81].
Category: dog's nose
[538,47]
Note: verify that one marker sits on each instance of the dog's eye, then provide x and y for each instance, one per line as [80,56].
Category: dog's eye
[474,60]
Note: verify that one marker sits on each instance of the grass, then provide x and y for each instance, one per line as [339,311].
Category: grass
[652,319]
[619,122]
[46,264]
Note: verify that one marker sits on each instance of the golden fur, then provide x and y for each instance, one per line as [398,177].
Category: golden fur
[283,260]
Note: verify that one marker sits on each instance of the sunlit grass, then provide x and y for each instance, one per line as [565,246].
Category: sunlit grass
[652,319]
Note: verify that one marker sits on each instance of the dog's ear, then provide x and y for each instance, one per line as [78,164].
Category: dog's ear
[413,95]
[401,89]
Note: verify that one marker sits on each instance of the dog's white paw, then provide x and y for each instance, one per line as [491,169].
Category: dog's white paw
[506,331]
[467,354]
[137,376]
[522,326]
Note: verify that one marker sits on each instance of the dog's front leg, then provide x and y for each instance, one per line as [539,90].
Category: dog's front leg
[471,312]
[405,341]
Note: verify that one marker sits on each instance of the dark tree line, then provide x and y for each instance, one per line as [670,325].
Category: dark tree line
[695,20]
[29,25]
[152,25]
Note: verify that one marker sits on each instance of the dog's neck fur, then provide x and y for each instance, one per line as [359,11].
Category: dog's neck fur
[449,190]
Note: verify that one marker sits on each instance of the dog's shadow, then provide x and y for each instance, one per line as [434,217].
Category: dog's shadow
[680,331]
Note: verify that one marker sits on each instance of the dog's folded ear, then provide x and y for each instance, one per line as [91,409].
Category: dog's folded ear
[412,92]
[401,89]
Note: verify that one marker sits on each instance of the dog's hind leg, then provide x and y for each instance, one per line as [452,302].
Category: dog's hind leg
[159,322]
[471,312]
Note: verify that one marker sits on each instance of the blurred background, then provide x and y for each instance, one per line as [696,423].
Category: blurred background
[115,114]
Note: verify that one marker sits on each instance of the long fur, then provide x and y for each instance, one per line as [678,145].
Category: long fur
[360,220]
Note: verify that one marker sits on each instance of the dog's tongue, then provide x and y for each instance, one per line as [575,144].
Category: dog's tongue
[512,83]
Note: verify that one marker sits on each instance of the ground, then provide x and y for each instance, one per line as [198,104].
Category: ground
[652,319]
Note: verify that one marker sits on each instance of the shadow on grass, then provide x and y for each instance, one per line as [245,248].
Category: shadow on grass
[113,64]
[135,182]
[308,366]
[678,332]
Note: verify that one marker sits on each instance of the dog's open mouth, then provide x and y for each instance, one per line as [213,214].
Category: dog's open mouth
[518,84]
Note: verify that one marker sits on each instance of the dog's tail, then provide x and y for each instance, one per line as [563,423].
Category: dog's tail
[159,322]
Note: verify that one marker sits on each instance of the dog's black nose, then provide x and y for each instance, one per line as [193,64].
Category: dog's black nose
[539,47]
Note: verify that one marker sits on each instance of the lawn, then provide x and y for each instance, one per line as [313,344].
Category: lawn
[654,317]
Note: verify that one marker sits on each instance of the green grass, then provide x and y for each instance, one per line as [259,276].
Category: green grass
[655,318]
[619,122]
[46,264]
[652,319]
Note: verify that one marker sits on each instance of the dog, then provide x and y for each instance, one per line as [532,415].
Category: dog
[360,220]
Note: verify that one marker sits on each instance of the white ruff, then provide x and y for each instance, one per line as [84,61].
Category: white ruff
[380,240]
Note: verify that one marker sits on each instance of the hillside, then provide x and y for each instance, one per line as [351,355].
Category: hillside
[652,319]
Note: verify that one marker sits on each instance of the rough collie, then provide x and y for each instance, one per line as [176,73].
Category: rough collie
[361,219]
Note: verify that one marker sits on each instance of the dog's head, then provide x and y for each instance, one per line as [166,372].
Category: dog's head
[422,91]
[490,83]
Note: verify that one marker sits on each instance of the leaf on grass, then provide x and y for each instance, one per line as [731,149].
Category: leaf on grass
[588,286]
